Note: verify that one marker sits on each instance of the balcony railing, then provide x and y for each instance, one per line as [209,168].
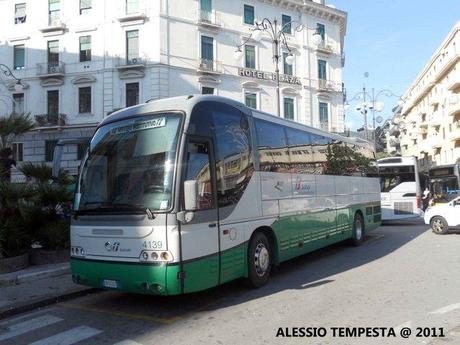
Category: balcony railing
[324,126]
[209,66]
[55,23]
[135,13]
[323,47]
[133,62]
[453,109]
[208,18]
[48,120]
[327,85]
[48,69]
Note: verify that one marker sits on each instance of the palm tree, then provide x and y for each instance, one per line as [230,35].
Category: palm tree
[10,127]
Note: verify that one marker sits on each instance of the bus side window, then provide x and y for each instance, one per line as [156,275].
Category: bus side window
[234,165]
[273,147]
[319,147]
[300,153]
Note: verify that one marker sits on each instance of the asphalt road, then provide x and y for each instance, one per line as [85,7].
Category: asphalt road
[402,276]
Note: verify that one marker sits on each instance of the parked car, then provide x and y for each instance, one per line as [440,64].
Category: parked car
[441,217]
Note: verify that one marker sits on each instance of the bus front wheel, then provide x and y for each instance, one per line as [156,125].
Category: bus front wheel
[439,225]
[259,260]
[358,230]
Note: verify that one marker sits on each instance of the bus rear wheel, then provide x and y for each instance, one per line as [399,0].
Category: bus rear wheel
[358,230]
[439,225]
[259,260]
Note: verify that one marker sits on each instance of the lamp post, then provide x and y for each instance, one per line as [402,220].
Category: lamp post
[372,105]
[18,86]
[279,40]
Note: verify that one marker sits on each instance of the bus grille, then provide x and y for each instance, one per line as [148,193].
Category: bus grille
[403,208]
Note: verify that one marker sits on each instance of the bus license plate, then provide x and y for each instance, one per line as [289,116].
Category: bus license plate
[111,284]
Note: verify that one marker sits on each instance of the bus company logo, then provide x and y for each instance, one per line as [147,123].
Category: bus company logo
[112,247]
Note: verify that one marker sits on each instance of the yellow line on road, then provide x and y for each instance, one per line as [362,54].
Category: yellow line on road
[167,321]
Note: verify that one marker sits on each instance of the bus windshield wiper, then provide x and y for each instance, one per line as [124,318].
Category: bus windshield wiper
[107,206]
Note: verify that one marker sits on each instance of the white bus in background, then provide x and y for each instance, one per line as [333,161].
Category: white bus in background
[401,193]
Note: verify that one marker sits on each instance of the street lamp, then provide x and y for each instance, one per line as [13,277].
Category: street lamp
[372,105]
[279,40]
[18,86]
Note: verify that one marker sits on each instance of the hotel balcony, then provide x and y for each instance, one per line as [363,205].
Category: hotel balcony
[325,85]
[132,15]
[454,82]
[210,19]
[50,69]
[394,130]
[50,120]
[324,48]
[209,66]
[131,63]
[435,142]
[55,25]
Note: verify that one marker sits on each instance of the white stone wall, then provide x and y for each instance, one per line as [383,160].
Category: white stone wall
[170,47]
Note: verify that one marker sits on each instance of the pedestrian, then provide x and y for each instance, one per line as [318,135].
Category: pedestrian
[426,199]
[5,164]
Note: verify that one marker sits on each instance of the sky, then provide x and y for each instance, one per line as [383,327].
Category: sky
[391,40]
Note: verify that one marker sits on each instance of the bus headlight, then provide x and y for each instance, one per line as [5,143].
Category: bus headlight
[77,252]
[155,256]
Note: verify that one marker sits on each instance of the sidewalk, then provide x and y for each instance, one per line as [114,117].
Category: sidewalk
[36,287]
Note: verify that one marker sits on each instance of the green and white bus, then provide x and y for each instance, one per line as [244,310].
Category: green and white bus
[183,194]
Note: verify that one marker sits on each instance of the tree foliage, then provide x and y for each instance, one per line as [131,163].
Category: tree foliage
[13,125]
[343,160]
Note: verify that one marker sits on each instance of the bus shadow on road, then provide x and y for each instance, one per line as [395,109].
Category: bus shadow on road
[309,271]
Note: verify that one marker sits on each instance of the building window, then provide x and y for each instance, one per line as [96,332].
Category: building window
[85,6]
[84,100]
[322,70]
[287,68]
[323,116]
[18,151]
[49,150]
[250,99]
[132,6]
[18,103]
[249,14]
[207,50]
[289,108]
[53,105]
[206,10]
[286,24]
[20,13]
[322,30]
[81,150]
[85,48]
[250,56]
[19,56]
[53,53]
[132,94]
[132,46]
[207,90]
[54,12]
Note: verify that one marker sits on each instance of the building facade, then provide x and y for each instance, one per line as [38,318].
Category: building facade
[427,125]
[80,60]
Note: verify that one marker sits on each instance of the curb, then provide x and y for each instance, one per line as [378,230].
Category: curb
[40,303]
[15,278]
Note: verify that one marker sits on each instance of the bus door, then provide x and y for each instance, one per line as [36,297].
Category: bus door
[200,237]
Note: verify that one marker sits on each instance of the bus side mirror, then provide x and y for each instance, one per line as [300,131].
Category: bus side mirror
[191,195]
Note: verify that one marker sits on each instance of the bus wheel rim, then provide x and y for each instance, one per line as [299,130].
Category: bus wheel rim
[358,229]
[261,259]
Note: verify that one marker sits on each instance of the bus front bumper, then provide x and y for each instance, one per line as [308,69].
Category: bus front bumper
[159,279]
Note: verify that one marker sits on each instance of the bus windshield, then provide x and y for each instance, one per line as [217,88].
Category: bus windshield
[130,165]
[391,177]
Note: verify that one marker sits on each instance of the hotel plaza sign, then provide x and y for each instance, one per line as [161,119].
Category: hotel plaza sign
[252,73]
